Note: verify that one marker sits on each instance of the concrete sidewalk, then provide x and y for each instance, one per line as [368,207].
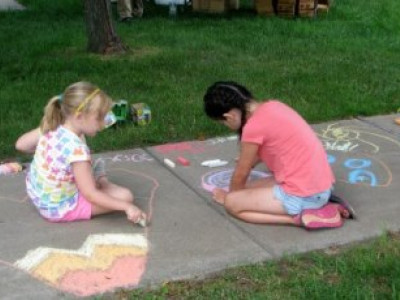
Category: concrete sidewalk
[189,235]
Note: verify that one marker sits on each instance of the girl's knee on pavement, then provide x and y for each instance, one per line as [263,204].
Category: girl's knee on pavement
[231,204]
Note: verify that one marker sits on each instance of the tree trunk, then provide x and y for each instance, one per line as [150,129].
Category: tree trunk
[102,38]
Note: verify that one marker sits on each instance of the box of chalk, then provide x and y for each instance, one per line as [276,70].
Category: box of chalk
[141,114]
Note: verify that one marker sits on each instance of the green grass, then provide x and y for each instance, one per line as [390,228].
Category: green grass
[337,66]
[341,65]
[369,271]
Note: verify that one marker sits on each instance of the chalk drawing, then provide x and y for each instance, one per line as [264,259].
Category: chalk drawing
[103,262]
[362,176]
[357,163]
[183,147]
[100,264]
[349,139]
[361,170]
[343,139]
[221,179]
[135,158]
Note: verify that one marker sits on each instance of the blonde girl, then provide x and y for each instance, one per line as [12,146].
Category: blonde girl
[60,181]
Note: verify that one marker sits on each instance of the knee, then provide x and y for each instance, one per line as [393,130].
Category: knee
[231,204]
[127,195]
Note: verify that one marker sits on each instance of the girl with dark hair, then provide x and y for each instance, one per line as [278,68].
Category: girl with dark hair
[272,132]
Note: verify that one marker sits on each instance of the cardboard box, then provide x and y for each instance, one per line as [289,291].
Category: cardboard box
[264,7]
[286,8]
[211,6]
[307,8]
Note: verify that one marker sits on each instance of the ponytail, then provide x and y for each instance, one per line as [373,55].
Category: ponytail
[53,116]
[80,97]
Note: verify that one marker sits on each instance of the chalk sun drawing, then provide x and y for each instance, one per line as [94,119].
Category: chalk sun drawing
[221,178]
[349,139]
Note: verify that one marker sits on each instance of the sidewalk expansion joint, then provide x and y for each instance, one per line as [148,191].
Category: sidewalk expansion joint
[373,124]
[206,200]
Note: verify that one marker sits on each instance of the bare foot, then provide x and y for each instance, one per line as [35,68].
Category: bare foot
[219,195]
[297,220]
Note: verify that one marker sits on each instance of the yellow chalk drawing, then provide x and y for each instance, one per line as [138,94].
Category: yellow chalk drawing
[348,138]
[58,264]
[98,251]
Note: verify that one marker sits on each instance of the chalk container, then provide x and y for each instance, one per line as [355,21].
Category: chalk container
[141,114]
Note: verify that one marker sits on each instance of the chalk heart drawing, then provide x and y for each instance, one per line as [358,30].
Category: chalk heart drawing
[221,178]
[104,261]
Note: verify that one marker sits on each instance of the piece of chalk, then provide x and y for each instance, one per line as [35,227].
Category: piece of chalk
[142,222]
[207,162]
[214,163]
[169,163]
[219,163]
[183,161]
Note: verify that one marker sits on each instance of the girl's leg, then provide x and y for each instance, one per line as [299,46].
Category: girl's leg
[220,194]
[258,206]
[116,191]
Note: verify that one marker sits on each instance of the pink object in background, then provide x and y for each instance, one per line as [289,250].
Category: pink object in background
[183,161]
[9,168]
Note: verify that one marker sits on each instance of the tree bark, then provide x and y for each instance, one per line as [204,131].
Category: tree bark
[102,38]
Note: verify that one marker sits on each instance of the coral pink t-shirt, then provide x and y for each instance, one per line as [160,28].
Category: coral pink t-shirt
[289,148]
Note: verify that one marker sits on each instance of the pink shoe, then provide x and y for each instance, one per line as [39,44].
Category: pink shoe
[327,216]
[344,205]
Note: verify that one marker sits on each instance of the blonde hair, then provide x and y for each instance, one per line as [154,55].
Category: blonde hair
[81,97]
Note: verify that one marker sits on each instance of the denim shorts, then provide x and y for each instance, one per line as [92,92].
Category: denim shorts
[295,204]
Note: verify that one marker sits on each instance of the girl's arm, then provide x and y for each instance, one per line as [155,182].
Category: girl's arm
[248,157]
[28,141]
[87,186]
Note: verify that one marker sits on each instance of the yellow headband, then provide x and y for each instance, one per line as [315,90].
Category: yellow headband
[86,101]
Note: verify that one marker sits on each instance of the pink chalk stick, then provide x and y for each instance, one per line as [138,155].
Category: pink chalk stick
[183,161]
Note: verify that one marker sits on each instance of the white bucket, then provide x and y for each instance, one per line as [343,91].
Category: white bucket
[170,2]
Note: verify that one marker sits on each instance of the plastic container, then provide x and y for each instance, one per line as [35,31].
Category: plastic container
[170,2]
[120,109]
[141,114]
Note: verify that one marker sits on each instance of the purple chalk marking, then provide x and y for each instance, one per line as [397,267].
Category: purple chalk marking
[222,178]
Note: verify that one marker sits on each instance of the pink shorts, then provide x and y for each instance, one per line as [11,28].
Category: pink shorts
[82,211]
